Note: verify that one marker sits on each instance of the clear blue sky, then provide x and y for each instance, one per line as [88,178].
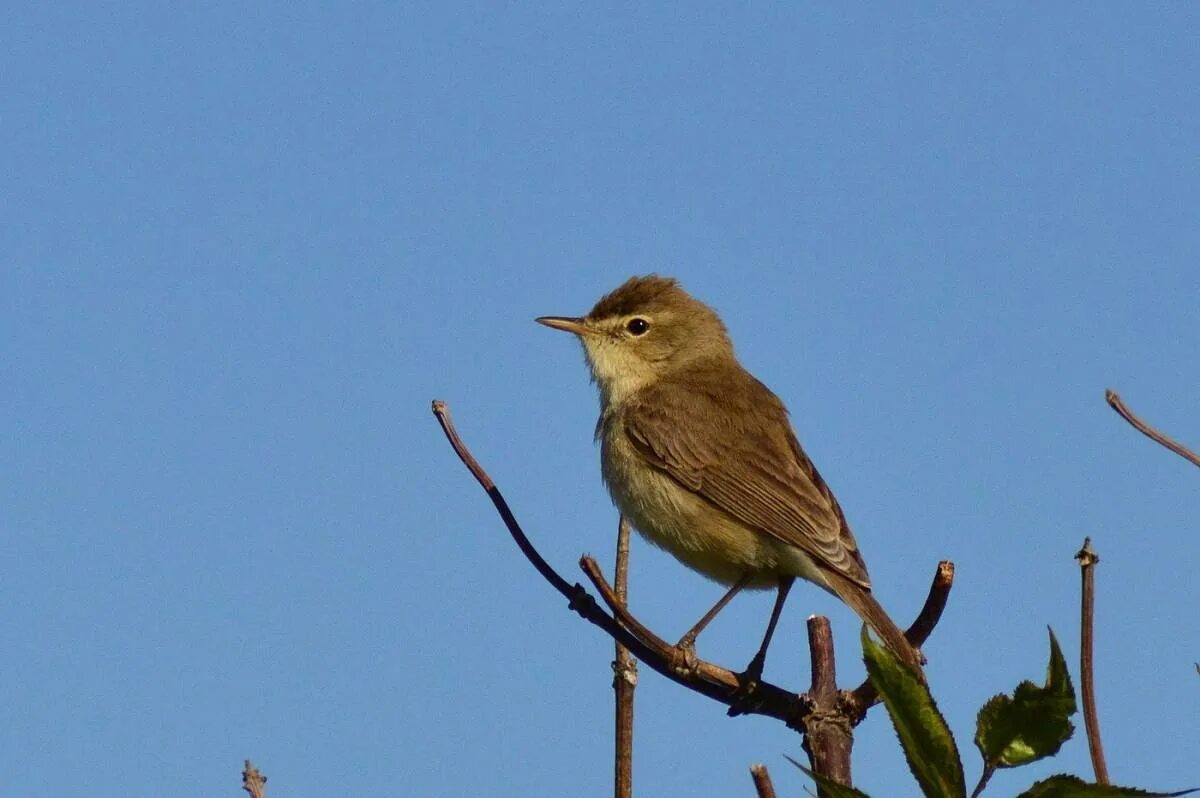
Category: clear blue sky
[243,247]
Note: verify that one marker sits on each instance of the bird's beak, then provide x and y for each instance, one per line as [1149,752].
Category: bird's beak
[571,324]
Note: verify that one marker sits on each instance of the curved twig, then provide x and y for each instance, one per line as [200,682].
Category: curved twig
[1114,401]
[707,671]
[863,697]
[772,701]
[442,412]
[719,684]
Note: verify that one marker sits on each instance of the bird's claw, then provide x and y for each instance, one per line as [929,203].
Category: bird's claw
[684,659]
[742,700]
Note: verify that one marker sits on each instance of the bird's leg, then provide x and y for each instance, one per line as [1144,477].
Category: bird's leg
[754,670]
[687,643]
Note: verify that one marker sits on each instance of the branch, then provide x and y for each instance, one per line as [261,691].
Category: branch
[762,781]
[1150,432]
[1087,561]
[863,697]
[253,781]
[704,677]
[707,679]
[828,738]
[572,592]
[624,679]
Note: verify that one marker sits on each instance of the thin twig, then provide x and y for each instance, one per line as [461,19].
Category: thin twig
[253,781]
[1088,558]
[772,700]
[707,679]
[620,611]
[762,781]
[861,698]
[1150,432]
[828,738]
[935,604]
[624,678]
[442,413]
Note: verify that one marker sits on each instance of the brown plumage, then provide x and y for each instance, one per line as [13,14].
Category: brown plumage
[700,456]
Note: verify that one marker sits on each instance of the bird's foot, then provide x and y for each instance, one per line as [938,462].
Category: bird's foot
[684,659]
[743,699]
[753,672]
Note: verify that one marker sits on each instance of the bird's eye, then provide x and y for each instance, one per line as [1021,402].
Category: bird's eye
[637,326]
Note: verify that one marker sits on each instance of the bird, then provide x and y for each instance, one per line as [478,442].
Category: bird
[701,459]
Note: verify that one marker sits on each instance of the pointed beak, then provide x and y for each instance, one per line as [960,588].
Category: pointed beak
[571,324]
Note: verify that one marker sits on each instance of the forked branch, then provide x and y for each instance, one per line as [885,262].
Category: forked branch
[829,739]
[714,681]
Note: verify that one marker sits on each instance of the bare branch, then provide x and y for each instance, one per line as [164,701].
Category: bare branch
[253,781]
[861,698]
[762,781]
[442,413]
[828,738]
[707,679]
[591,569]
[1088,558]
[935,604]
[714,681]
[624,679]
[1150,432]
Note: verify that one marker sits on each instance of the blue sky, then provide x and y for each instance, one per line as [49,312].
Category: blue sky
[244,247]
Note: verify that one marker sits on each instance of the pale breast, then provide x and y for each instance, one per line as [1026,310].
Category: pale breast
[698,534]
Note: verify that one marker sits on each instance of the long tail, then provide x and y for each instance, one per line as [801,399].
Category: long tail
[863,602]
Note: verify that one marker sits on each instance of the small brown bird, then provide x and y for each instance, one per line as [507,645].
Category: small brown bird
[700,458]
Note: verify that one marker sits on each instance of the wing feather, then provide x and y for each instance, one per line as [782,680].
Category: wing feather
[752,467]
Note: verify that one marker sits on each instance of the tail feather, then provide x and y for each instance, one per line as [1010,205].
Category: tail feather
[863,602]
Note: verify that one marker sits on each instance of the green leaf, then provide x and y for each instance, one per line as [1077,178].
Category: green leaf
[1064,786]
[1032,723]
[928,744]
[828,786]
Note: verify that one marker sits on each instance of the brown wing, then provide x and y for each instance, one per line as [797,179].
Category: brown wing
[752,467]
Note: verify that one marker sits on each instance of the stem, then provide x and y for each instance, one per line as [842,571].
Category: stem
[863,697]
[1150,432]
[762,781]
[828,738]
[1088,558]
[624,678]
[253,781]
[984,778]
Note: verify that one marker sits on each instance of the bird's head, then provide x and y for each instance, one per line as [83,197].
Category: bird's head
[647,328]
